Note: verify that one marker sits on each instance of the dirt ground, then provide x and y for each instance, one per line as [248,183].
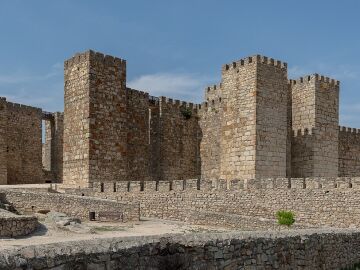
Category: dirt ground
[50,233]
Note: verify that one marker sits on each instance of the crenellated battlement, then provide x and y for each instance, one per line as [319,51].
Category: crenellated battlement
[90,55]
[22,107]
[210,104]
[136,93]
[177,103]
[303,132]
[315,77]
[349,130]
[216,185]
[259,59]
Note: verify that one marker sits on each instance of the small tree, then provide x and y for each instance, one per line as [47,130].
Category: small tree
[285,217]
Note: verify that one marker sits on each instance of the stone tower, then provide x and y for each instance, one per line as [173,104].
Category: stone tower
[315,123]
[254,125]
[94,119]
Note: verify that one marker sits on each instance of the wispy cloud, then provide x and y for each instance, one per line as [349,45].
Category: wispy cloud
[339,72]
[39,90]
[179,86]
[26,77]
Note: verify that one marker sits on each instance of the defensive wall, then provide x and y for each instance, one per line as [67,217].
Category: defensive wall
[28,202]
[246,205]
[309,249]
[256,123]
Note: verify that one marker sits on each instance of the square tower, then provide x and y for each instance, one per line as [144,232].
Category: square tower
[95,132]
[315,124]
[254,127]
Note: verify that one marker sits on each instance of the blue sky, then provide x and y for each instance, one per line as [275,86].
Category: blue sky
[176,48]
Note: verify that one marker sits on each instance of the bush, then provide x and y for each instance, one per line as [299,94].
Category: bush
[186,112]
[285,217]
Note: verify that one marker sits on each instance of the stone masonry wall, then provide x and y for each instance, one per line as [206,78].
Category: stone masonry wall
[108,118]
[315,110]
[57,146]
[138,152]
[53,147]
[178,140]
[238,129]
[309,249]
[271,118]
[76,120]
[3,144]
[95,133]
[210,120]
[246,205]
[24,146]
[77,206]
[349,151]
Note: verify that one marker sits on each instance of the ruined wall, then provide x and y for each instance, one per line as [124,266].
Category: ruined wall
[24,156]
[317,250]
[138,155]
[178,131]
[30,202]
[315,110]
[349,152]
[3,144]
[210,120]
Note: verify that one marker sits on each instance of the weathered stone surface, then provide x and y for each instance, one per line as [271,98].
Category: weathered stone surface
[308,249]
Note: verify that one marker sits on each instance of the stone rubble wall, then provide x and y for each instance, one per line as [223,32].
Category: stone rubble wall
[77,206]
[14,225]
[316,202]
[308,249]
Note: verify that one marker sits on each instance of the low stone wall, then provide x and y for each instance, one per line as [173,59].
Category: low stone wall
[301,250]
[316,202]
[77,206]
[13,225]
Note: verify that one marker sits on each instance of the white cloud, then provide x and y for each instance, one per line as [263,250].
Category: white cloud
[338,72]
[26,77]
[188,87]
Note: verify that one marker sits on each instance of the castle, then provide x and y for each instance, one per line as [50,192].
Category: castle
[255,124]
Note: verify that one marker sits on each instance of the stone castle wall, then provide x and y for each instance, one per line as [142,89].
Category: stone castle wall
[3,144]
[138,146]
[53,147]
[245,205]
[211,115]
[178,142]
[20,143]
[349,151]
[254,124]
[315,119]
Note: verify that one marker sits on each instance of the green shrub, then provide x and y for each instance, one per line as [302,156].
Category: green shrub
[186,112]
[285,217]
